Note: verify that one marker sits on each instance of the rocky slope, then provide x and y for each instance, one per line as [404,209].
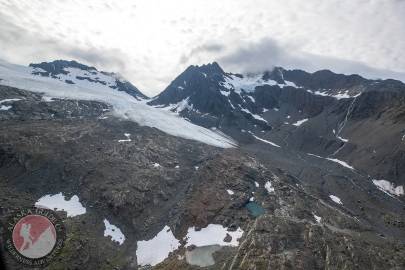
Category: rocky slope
[338,116]
[292,210]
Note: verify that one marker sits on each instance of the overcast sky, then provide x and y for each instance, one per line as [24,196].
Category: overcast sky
[150,42]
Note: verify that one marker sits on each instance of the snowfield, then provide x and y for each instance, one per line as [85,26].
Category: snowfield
[157,249]
[124,105]
[213,234]
[57,202]
[114,232]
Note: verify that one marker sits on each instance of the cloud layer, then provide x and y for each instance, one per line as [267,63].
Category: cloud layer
[151,42]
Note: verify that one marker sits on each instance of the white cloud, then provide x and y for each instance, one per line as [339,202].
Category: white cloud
[150,42]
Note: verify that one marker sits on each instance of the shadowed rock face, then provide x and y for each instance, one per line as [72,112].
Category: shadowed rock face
[79,148]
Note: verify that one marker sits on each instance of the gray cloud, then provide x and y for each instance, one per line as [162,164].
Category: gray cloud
[201,50]
[268,53]
[151,48]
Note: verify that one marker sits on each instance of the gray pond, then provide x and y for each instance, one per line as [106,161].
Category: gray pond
[202,256]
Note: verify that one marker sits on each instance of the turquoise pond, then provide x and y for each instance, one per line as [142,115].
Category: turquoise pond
[255,209]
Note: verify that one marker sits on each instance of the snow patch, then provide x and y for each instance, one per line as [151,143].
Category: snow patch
[343,163]
[128,139]
[8,100]
[47,99]
[157,249]
[265,141]
[258,117]
[5,108]
[342,139]
[230,192]
[317,218]
[389,187]
[342,94]
[57,202]
[269,187]
[114,232]
[249,83]
[213,234]
[335,199]
[300,122]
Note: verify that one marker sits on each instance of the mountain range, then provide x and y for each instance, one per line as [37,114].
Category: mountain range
[281,169]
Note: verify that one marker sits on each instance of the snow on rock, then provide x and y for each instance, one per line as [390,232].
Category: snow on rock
[255,116]
[8,100]
[5,107]
[250,82]
[257,184]
[342,139]
[128,139]
[230,192]
[180,106]
[300,122]
[389,187]
[213,234]
[57,202]
[114,232]
[124,105]
[156,165]
[252,99]
[47,99]
[335,199]
[269,187]
[157,249]
[265,141]
[317,218]
[339,95]
[225,93]
[343,163]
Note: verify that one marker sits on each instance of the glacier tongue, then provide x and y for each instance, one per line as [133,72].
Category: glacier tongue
[124,105]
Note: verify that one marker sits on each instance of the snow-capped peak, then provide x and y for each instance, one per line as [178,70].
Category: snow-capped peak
[72,72]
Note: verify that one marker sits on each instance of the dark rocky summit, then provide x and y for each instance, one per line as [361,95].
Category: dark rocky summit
[154,179]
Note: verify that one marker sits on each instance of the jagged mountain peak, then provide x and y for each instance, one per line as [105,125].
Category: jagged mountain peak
[73,72]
